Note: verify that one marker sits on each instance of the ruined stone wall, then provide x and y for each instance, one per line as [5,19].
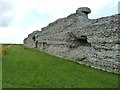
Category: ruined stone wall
[87,41]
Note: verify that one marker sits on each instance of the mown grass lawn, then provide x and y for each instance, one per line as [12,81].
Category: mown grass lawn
[29,68]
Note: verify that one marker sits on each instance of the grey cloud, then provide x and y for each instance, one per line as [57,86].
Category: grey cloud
[5,7]
[4,22]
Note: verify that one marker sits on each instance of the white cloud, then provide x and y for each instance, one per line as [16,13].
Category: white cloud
[13,35]
[19,12]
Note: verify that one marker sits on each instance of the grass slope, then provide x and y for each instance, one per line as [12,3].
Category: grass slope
[30,68]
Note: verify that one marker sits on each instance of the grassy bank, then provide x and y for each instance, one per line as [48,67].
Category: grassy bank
[31,68]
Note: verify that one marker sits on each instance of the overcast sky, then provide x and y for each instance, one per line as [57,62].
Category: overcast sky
[18,18]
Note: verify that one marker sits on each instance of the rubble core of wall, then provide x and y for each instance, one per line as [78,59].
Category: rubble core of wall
[93,42]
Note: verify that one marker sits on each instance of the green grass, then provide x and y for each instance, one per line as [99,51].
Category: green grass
[29,68]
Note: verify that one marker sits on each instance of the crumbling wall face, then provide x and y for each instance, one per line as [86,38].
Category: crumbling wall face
[93,42]
[31,41]
[105,45]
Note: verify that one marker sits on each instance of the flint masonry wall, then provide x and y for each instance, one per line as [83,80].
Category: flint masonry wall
[87,41]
